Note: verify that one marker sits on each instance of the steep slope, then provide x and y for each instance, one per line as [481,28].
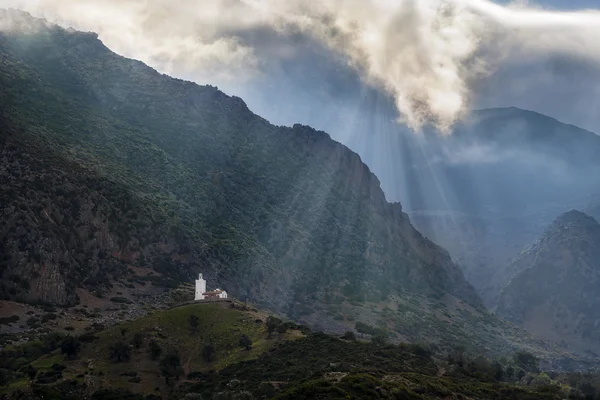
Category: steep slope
[107,162]
[554,289]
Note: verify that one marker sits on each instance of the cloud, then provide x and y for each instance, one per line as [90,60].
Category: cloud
[429,55]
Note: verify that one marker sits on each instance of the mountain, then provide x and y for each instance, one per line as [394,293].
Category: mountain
[554,287]
[117,180]
[107,164]
[497,182]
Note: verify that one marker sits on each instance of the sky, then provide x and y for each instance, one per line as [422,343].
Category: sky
[434,59]
[566,4]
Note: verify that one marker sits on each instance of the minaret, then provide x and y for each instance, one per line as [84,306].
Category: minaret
[200,288]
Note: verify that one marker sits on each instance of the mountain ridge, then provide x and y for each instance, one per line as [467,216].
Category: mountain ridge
[553,290]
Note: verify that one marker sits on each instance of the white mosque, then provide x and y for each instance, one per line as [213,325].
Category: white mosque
[202,294]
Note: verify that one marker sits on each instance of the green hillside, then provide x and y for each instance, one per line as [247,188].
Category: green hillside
[293,363]
[220,325]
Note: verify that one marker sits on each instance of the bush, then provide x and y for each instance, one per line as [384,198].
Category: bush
[195,375]
[526,361]
[246,342]
[208,352]
[49,317]
[154,349]
[194,323]
[118,299]
[120,352]
[368,329]
[273,324]
[379,340]
[9,320]
[87,338]
[170,367]
[70,346]
[138,340]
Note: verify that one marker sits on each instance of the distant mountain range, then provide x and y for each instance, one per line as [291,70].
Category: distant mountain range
[554,285]
[500,179]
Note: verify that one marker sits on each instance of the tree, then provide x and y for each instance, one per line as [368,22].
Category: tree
[138,340]
[194,323]
[282,328]
[31,372]
[120,352]
[123,331]
[458,356]
[379,339]
[154,349]
[246,342]
[510,372]
[498,371]
[527,361]
[349,336]
[170,366]
[70,346]
[272,324]
[208,352]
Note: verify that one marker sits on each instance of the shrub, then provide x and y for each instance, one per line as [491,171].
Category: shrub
[170,367]
[9,320]
[120,352]
[273,324]
[194,323]
[246,342]
[118,299]
[138,340]
[208,352]
[49,317]
[154,349]
[70,346]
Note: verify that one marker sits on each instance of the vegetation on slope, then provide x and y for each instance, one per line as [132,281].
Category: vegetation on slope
[135,356]
[106,163]
[282,215]
[197,352]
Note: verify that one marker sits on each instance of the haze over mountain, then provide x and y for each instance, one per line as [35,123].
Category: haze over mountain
[120,184]
[553,287]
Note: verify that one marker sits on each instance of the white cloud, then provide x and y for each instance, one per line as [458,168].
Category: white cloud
[428,54]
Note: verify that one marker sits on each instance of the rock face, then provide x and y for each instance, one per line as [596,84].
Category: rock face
[555,289]
[104,163]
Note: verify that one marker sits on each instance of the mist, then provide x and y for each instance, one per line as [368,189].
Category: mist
[429,56]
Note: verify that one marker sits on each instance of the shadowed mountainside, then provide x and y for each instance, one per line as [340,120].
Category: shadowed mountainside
[554,287]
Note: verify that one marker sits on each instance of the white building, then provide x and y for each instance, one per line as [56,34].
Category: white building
[203,294]
[200,288]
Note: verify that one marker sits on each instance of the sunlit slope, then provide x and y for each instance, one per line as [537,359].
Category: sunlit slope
[219,325]
[283,215]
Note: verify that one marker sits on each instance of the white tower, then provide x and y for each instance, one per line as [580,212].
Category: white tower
[200,288]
